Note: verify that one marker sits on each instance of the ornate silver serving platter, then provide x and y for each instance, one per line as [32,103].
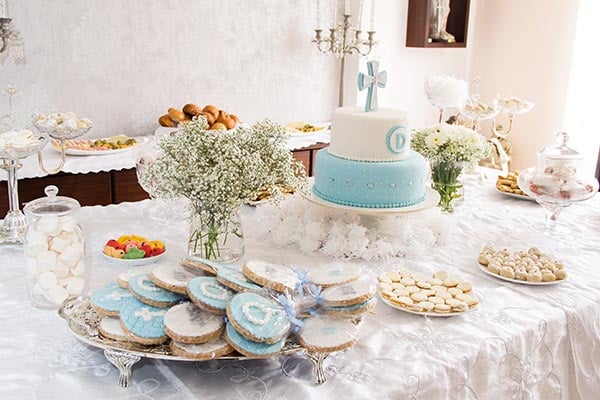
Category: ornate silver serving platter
[83,322]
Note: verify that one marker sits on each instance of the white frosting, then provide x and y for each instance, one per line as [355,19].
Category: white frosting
[266,311]
[111,326]
[326,332]
[363,136]
[334,273]
[274,273]
[215,290]
[347,291]
[204,348]
[173,276]
[187,319]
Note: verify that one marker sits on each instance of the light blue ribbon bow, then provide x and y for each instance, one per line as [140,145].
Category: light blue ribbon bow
[290,310]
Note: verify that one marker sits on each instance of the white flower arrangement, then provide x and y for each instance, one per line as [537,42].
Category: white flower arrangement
[219,170]
[452,143]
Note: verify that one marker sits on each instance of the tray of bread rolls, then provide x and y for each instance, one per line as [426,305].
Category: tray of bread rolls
[508,186]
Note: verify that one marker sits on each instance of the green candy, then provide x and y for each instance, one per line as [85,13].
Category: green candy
[134,254]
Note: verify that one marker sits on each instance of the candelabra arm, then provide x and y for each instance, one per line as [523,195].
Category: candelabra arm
[501,133]
[60,165]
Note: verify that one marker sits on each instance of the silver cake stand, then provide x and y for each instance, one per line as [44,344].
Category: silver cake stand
[83,322]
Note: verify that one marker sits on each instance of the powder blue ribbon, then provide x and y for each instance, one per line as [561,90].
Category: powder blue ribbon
[303,281]
[290,310]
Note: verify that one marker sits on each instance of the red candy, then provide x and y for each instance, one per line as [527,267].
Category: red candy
[147,249]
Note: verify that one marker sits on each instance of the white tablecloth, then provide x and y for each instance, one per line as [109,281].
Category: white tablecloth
[122,160]
[522,343]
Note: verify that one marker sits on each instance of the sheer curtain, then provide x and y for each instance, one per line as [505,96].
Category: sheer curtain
[582,114]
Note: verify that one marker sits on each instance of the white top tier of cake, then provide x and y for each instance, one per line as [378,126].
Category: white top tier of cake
[380,135]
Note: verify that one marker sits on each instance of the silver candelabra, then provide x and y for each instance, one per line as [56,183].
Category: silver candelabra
[344,39]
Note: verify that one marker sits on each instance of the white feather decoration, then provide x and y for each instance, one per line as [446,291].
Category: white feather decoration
[446,91]
[312,228]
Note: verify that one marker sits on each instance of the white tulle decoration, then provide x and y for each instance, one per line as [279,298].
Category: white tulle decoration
[446,91]
[312,228]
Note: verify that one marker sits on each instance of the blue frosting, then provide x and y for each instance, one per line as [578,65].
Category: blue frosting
[143,320]
[110,297]
[236,277]
[207,290]
[259,349]
[354,307]
[276,326]
[370,184]
[142,286]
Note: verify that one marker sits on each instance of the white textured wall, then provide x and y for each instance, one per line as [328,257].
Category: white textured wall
[123,63]
[524,49]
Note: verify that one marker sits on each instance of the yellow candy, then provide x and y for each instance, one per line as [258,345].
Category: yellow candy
[122,239]
[138,238]
[157,244]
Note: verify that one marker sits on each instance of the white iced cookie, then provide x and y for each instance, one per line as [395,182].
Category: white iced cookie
[204,351]
[188,323]
[111,328]
[334,274]
[276,277]
[172,277]
[324,334]
[347,294]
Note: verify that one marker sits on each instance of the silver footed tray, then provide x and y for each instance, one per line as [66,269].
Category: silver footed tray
[83,322]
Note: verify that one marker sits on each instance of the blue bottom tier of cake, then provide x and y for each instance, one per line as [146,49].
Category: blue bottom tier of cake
[370,184]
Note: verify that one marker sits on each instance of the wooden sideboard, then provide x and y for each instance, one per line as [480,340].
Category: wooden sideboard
[110,187]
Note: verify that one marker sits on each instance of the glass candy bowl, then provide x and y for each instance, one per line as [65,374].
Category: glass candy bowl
[555,183]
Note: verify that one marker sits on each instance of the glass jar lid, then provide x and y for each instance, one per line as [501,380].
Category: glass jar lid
[52,204]
[560,151]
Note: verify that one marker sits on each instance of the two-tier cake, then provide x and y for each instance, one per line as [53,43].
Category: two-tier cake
[369,163]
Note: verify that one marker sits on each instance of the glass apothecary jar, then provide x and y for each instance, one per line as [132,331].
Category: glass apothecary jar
[55,250]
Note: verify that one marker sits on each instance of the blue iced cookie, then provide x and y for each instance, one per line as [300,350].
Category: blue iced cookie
[147,292]
[209,294]
[248,347]
[350,311]
[235,279]
[144,323]
[258,318]
[108,300]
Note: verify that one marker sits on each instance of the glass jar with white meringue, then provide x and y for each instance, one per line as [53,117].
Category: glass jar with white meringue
[55,250]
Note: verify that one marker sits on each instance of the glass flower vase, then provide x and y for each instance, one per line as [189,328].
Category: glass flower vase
[215,241]
[446,180]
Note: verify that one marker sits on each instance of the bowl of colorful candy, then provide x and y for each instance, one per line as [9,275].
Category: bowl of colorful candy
[133,250]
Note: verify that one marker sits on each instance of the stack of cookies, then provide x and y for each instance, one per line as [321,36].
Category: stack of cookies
[186,307]
[439,293]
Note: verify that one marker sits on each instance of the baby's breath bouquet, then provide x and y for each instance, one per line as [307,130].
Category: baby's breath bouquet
[449,148]
[217,171]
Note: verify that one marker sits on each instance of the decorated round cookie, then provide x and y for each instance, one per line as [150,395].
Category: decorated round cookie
[350,311]
[109,299]
[325,334]
[111,328]
[347,294]
[173,278]
[250,348]
[143,322]
[146,291]
[209,294]
[197,264]
[188,323]
[123,278]
[204,351]
[272,276]
[235,279]
[258,318]
[334,274]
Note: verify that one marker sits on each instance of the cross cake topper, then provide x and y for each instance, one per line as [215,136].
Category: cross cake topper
[374,79]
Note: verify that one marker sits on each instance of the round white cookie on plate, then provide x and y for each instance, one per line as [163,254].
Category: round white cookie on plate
[204,351]
[272,276]
[347,294]
[325,334]
[172,277]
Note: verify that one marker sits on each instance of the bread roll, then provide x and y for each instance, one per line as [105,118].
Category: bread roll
[176,115]
[229,123]
[192,109]
[166,121]
[222,116]
[235,118]
[218,126]
[209,117]
[211,109]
